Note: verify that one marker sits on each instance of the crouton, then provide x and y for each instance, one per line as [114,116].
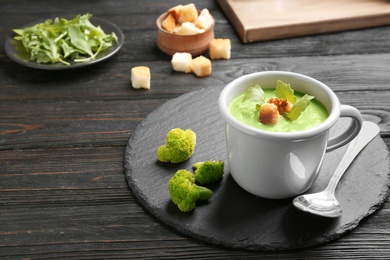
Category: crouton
[187,28]
[204,20]
[269,114]
[182,61]
[220,49]
[187,21]
[201,66]
[283,105]
[140,77]
[169,23]
[187,13]
[175,11]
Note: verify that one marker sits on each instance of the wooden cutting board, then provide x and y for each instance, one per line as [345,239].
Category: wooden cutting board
[259,20]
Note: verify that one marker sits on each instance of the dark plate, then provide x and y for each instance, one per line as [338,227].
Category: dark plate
[233,217]
[15,51]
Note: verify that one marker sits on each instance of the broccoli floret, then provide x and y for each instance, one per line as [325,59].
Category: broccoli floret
[207,172]
[179,146]
[184,192]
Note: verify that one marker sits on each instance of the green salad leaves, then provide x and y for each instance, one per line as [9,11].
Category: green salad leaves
[62,40]
[282,91]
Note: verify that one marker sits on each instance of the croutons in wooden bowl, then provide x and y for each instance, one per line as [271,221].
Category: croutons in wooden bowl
[187,36]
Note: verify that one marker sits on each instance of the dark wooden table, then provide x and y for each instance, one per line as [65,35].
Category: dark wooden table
[63,192]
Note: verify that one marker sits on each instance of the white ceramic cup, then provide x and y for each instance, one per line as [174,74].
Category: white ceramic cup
[282,165]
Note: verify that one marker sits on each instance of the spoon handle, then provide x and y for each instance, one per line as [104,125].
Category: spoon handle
[367,133]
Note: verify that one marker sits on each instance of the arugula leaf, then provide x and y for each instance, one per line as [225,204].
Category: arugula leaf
[68,50]
[284,91]
[299,107]
[254,94]
[77,39]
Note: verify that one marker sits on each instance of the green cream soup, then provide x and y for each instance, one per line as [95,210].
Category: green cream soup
[246,112]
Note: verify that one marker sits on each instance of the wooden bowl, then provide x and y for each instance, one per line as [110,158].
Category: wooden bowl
[171,43]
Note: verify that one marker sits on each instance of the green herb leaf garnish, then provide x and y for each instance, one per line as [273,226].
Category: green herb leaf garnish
[299,107]
[254,94]
[284,91]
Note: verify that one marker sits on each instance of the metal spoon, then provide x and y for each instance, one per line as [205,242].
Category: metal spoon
[325,203]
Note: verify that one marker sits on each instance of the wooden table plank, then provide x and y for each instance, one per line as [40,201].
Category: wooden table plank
[344,73]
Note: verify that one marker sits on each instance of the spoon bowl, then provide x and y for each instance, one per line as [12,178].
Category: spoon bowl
[324,203]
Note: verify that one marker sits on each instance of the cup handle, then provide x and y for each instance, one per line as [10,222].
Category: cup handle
[351,132]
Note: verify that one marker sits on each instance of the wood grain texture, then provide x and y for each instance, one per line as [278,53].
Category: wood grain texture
[63,192]
[268,20]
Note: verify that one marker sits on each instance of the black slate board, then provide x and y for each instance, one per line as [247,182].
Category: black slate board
[233,217]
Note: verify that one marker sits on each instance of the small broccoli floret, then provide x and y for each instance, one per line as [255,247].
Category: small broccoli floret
[179,146]
[207,172]
[184,192]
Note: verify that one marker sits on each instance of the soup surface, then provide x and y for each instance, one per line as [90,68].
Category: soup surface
[246,112]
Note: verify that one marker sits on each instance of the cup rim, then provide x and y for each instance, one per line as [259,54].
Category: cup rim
[334,114]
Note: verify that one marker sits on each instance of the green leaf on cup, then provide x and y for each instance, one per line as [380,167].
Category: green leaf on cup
[254,94]
[284,91]
[299,107]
